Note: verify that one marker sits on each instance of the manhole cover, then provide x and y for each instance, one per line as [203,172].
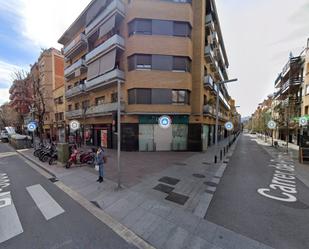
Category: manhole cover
[96,204]
[199,175]
[181,164]
[169,180]
[53,179]
[177,198]
[163,188]
[211,184]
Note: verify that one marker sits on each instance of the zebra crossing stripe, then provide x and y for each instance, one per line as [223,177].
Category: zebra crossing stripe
[10,225]
[47,205]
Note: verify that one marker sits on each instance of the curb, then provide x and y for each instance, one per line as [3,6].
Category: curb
[36,163]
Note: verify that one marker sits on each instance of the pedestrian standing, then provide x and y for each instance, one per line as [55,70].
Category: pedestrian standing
[100,160]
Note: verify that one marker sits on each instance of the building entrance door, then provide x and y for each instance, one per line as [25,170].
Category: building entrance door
[163,138]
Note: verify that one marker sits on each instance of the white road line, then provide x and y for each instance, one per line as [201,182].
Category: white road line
[6,154]
[10,225]
[47,205]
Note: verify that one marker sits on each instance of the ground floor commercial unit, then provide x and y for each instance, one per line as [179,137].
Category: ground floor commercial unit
[143,133]
[282,133]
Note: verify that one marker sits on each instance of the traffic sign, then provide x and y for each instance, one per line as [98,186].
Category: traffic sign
[229,126]
[303,121]
[31,126]
[165,122]
[271,125]
[74,125]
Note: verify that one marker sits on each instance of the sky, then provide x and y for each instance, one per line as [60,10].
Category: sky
[258,34]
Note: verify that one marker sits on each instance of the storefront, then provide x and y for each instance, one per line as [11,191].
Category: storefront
[154,138]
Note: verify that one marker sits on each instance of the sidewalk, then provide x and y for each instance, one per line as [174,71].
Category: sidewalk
[165,199]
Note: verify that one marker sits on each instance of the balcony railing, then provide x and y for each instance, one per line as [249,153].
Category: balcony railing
[74,91]
[208,109]
[75,46]
[209,21]
[114,6]
[104,79]
[103,109]
[210,55]
[71,69]
[224,100]
[114,41]
[74,114]
[208,80]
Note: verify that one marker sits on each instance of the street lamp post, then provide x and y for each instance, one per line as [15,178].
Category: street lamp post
[217,106]
[118,133]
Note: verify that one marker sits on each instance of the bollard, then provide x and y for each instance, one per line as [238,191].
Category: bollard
[220,155]
[215,159]
[224,151]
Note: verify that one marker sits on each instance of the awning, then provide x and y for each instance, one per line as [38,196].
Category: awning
[107,26]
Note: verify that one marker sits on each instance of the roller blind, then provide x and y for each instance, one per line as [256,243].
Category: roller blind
[93,69]
[107,26]
[94,10]
[107,62]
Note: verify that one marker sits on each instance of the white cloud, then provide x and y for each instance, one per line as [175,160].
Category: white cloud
[6,72]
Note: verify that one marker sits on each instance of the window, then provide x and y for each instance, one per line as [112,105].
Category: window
[181,64]
[76,106]
[162,62]
[181,97]
[182,29]
[114,97]
[159,62]
[307,90]
[76,83]
[159,27]
[100,100]
[162,27]
[161,96]
[59,116]
[140,26]
[85,104]
[306,109]
[143,62]
[69,87]
[70,108]
[139,96]
[59,100]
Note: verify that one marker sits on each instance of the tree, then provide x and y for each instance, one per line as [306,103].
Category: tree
[8,116]
[39,105]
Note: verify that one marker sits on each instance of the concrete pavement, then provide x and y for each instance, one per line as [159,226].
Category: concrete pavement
[272,219]
[34,213]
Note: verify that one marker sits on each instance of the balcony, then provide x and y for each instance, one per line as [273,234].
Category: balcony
[103,109]
[219,54]
[69,72]
[219,74]
[208,109]
[215,38]
[104,79]
[208,81]
[224,101]
[209,22]
[75,91]
[115,6]
[76,46]
[111,43]
[210,57]
[74,114]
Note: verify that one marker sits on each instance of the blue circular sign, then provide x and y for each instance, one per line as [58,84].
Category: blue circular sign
[31,126]
[165,122]
[229,126]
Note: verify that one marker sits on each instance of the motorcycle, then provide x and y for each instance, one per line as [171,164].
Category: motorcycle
[79,157]
[53,157]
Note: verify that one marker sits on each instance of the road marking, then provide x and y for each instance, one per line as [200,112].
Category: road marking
[6,154]
[47,205]
[10,225]
[283,184]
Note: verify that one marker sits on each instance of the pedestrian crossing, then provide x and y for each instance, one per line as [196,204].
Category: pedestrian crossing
[10,224]
[6,154]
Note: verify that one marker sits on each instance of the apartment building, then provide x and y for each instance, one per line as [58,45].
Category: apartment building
[47,73]
[167,56]
[288,99]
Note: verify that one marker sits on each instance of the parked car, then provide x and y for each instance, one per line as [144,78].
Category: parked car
[4,136]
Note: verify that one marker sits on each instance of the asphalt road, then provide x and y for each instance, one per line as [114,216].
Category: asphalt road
[41,216]
[239,207]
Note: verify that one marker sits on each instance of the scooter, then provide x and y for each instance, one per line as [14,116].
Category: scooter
[80,158]
[53,157]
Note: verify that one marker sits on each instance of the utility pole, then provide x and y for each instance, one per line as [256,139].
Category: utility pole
[118,133]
